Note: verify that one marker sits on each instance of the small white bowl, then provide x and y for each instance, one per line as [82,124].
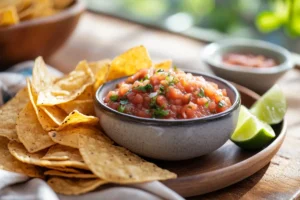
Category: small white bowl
[169,139]
[259,80]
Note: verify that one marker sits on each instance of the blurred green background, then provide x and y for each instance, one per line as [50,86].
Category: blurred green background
[277,21]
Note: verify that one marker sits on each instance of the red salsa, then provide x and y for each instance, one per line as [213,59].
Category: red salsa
[249,60]
[167,94]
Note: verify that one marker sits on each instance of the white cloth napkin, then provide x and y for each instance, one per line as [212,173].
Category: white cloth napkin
[14,186]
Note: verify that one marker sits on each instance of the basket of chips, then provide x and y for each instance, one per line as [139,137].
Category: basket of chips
[29,28]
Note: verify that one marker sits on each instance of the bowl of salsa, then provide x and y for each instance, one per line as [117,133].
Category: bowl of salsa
[168,114]
[252,63]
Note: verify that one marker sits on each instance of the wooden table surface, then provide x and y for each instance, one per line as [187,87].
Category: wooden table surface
[98,37]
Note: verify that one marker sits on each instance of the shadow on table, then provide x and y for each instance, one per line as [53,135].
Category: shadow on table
[231,192]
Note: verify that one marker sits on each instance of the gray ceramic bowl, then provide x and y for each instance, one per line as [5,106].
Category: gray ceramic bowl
[169,139]
[259,80]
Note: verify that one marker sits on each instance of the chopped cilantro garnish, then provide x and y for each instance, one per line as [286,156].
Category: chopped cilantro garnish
[124,101]
[145,88]
[159,112]
[153,102]
[221,103]
[206,104]
[121,108]
[114,97]
[160,70]
[162,90]
[145,78]
[201,93]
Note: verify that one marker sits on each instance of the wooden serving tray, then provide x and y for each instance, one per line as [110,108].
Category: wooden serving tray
[225,166]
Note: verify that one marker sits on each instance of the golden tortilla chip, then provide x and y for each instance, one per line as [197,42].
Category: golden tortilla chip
[69,137]
[69,175]
[98,65]
[9,113]
[56,114]
[75,118]
[85,107]
[101,76]
[55,118]
[8,16]
[46,122]
[74,186]
[117,164]
[66,169]
[60,152]
[67,88]
[41,78]
[19,152]
[129,63]
[30,132]
[87,94]
[166,65]
[10,163]
[38,8]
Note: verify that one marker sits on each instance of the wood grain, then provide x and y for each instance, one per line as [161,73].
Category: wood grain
[99,37]
[36,37]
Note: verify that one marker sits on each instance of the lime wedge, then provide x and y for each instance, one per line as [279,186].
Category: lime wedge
[271,107]
[251,133]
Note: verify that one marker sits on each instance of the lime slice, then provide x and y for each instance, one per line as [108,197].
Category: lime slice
[251,133]
[271,107]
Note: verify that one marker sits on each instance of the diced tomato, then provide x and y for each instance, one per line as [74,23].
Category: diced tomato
[168,95]
[138,99]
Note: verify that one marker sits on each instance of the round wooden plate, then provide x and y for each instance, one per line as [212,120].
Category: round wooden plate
[225,166]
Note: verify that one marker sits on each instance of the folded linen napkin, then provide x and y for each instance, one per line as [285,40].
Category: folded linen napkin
[14,186]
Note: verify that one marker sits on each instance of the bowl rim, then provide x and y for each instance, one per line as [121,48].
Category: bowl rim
[244,42]
[76,7]
[166,122]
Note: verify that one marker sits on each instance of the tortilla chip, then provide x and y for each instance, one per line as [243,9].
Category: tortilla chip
[74,186]
[30,132]
[85,107]
[37,9]
[67,88]
[165,65]
[101,76]
[60,152]
[10,163]
[9,16]
[9,113]
[100,70]
[19,152]
[55,118]
[66,169]
[98,65]
[129,63]
[41,78]
[87,94]
[46,122]
[69,175]
[117,164]
[69,137]
[75,118]
[55,113]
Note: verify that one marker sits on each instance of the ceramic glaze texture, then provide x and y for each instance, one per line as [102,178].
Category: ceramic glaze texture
[169,142]
[168,139]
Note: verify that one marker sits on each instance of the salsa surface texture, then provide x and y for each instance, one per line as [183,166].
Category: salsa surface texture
[167,94]
[249,60]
